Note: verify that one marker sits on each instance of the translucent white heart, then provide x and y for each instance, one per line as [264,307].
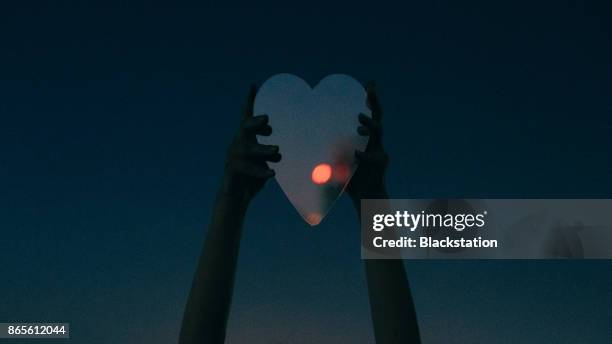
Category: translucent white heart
[316,130]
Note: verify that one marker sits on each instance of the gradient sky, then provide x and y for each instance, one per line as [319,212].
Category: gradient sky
[114,123]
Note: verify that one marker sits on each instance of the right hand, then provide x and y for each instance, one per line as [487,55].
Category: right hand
[369,178]
[246,168]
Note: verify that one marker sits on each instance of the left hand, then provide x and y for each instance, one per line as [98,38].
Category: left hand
[246,168]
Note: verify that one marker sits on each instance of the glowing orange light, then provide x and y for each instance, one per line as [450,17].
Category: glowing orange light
[314,219]
[341,173]
[321,174]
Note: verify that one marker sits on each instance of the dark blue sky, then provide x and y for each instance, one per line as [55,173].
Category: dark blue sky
[114,123]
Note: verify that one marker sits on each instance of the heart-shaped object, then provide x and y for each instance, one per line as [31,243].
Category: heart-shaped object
[316,130]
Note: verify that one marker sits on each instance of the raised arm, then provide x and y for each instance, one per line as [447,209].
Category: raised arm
[391,306]
[246,172]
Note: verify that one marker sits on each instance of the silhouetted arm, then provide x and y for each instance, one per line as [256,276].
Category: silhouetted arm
[393,314]
[246,172]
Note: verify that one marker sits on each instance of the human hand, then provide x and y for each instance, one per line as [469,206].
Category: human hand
[246,168]
[369,179]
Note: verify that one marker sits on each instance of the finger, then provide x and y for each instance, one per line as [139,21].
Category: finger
[254,170]
[373,101]
[250,101]
[266,152]
[274,157]
[371,157]
[255,125]
[265,130]
[373,126]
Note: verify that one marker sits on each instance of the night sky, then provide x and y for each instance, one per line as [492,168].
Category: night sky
[113,128]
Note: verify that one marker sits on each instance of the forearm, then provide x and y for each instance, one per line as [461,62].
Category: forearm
[210,298]
[391,305]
